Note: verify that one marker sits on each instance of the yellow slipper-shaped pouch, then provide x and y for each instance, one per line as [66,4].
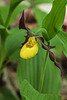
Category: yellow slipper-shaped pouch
[29,49]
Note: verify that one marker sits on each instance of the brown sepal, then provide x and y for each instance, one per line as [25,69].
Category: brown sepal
[22,22]
[51,56]
[59,66]
[44,46]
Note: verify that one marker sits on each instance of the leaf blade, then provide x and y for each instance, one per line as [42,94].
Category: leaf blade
[26,69]
[55,18]
[62,36]
[31,94]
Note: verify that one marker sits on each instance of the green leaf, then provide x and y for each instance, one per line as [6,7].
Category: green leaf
[17,12]
[4,32]
[40,30]
[2,27]
[31,69]
[39,15]
[14,56]
[4,12]
[62,36]
[31,94]
[13,4]
[54,20]
[13,41]
[52,81]
[1,19]
[6,94]
[5,9]
[58,47]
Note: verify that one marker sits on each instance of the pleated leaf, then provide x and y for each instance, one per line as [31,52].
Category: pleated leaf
[31,71]
[63,39]
[59,47]
[54,20]
[31,94]
[52,80]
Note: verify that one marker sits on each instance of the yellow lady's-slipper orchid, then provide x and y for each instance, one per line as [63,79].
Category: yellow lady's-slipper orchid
[29,49]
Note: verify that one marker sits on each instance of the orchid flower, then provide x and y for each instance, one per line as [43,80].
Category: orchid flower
[30,46]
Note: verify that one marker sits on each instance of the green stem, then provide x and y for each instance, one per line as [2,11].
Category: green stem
[2,53]
[43,73]
[2,67]
[7,20]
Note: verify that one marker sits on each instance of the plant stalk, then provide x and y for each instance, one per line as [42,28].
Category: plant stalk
[2,53]
[43,73]
[7,20]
